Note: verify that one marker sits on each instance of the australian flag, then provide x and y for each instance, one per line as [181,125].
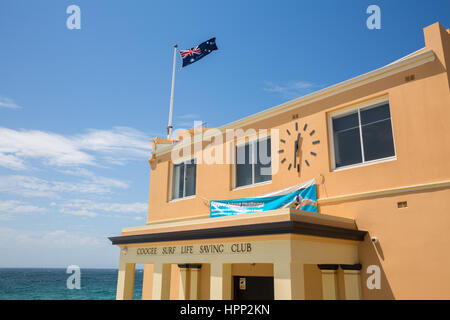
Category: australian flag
[196,53]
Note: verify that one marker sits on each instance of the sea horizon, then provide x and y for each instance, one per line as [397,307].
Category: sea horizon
[51,283]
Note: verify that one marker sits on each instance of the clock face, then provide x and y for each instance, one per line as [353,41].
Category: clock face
[298,146]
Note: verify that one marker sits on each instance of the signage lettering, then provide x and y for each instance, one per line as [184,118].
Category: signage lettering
[241,247]
[211,248]
[187,249]
[235,248]
[168,250]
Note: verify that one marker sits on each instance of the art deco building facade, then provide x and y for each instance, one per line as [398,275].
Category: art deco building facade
[378,149]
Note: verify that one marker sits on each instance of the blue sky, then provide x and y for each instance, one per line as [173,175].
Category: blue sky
[77,107]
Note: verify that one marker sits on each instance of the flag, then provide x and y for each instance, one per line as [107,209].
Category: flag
[196,53]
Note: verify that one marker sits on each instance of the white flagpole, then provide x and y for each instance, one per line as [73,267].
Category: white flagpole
[169,126]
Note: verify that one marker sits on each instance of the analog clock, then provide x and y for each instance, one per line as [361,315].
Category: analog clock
[297,146]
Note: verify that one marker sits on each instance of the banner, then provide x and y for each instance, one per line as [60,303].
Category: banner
[302,196]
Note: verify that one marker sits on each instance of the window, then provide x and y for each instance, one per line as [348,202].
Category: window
[183,179]
[363,135]
[253,162]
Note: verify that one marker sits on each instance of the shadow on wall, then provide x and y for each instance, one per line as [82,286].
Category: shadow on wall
[371,254]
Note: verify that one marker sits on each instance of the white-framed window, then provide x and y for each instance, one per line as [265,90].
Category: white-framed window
[362,135]
[184,177]
[253,162]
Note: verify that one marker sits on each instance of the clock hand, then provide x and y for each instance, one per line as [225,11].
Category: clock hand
[296,150]
[295,154]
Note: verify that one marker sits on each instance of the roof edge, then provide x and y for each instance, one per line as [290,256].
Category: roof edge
[398,66]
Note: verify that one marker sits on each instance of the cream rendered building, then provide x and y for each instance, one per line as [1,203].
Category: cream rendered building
[378,147]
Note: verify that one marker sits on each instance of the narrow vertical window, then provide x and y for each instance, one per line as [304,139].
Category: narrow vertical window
[347,142]
[253,162]
[377,133]
[184,179]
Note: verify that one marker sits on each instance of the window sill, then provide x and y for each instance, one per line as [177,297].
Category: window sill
[181,199]
[368,163]
[252,185]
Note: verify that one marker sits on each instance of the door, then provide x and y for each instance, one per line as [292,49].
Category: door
[253,288]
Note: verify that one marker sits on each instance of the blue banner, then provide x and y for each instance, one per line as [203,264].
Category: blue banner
[302,196]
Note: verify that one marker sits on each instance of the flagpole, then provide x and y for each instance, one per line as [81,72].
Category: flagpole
[169,126]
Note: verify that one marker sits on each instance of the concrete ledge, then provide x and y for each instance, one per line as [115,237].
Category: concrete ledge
[271,228]
[286,214]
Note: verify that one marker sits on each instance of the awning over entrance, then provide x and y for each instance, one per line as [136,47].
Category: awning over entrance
[282,221]
[209,253]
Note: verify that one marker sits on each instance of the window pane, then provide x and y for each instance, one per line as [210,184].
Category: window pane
[243,166]
[371,115]
[263,165]
[191,169]
[178,181]
[347,147]
[346,122]
[378,141]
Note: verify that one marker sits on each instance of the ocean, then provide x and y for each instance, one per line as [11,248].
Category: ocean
[51,284]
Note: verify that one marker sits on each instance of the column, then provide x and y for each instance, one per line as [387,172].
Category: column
[352,281]
[184,282]
[147,282]
[161,281]
[329,281]
[227,282]
[194,269]
[289,281]
[125,280]
[221,281]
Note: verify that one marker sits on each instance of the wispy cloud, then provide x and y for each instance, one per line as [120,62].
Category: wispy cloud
[291,89]
[115,146]
[8,103]
[119,140]
[9,208]
[89,208]
[29,186]
[51,238]
[188,116]
[54,149]
[11,161]
[189,120]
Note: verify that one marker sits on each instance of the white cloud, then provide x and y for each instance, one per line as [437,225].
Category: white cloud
[29,186]
[292,89]
[11,162]
[83,213]
[119,140]
[117,146]
[91,208]
[77,171]
[54,149]
[136,207]
[9,208]
[8,103]
[53,238]
[188,116]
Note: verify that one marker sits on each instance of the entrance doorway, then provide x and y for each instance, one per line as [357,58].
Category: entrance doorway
[253,288]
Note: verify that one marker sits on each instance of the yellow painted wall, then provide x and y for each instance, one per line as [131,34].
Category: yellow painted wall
[419,111]
[252,269]
[414,241]
[313,282]
[147,282]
